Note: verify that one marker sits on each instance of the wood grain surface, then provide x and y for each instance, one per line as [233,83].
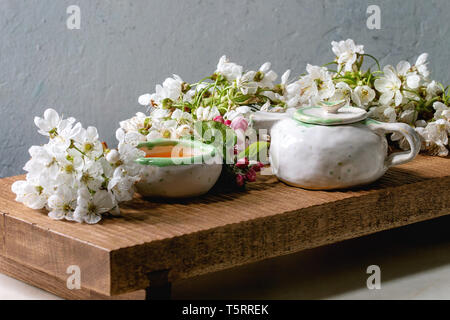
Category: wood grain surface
[57,286]
[185,238]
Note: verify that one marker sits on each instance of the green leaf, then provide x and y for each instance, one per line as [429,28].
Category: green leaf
[215,133]
[255,151]
[241,98]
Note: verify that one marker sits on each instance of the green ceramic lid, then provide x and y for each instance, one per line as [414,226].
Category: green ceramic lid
[329,114]
[201,152]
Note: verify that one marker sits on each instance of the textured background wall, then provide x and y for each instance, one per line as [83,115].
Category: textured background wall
[126,47]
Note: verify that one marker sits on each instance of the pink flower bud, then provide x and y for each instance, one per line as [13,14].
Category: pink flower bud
[257,167]
[239,124]
[242,163]
[240,180]
[251,175]
[219,119]
[227,122]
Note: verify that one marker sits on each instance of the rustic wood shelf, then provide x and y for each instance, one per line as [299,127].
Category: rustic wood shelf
[155,243]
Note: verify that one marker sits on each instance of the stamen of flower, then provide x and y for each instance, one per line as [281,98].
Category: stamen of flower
[69,168]
[319,83]
[85,178]
[88,147]
[143,131]
[185,87]
[92,208]
[39,189]
[167,103]
[53,133]
[258,76]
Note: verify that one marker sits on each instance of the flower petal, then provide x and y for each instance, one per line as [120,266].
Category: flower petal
[386,97]
[403,67]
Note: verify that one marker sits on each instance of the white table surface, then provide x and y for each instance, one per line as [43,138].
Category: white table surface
[414,262]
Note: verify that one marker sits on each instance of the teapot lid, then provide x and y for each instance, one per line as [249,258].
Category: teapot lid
[330,113]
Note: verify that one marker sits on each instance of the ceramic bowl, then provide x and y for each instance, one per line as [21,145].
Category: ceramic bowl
[178,168]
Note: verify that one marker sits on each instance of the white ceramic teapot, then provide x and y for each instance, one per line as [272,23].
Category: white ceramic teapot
[320,147]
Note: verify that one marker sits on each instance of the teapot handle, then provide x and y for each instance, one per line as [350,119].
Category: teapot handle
[406,131]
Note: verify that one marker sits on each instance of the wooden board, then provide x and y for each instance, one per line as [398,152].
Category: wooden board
[58,286]
[184,238]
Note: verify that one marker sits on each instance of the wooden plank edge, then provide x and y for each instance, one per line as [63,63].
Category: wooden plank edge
[40,248]
[57,286]
[268,237]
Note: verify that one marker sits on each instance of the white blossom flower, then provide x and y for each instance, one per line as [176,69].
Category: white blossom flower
[285,77]
[128,155]
[89,143]
[408,116]
[404,70]
[342,92]
[347,53]
[189,95]
[207,113]
[389,85]
[91,207]
[183,130]
[156,134]
[421,65]
[265,107]
[436,135]
[383,113]
[160,114]
[242,111]
[68,133]
[70,163]
[62,203]
[52,123]
[322,82]
[265,77]
[362,96]
[32,196]
[91,175]
[130,137]
[113,156]
[162,129]
[280,91]
[145,99]
[170,89]
[246,83]
[433,89]
[421,123]
[135,123]
[122,184]
[315,86]
[442,111]
[231,71]
[40,160]
[182,117]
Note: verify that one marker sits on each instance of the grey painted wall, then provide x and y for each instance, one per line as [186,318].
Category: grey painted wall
[126,47]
